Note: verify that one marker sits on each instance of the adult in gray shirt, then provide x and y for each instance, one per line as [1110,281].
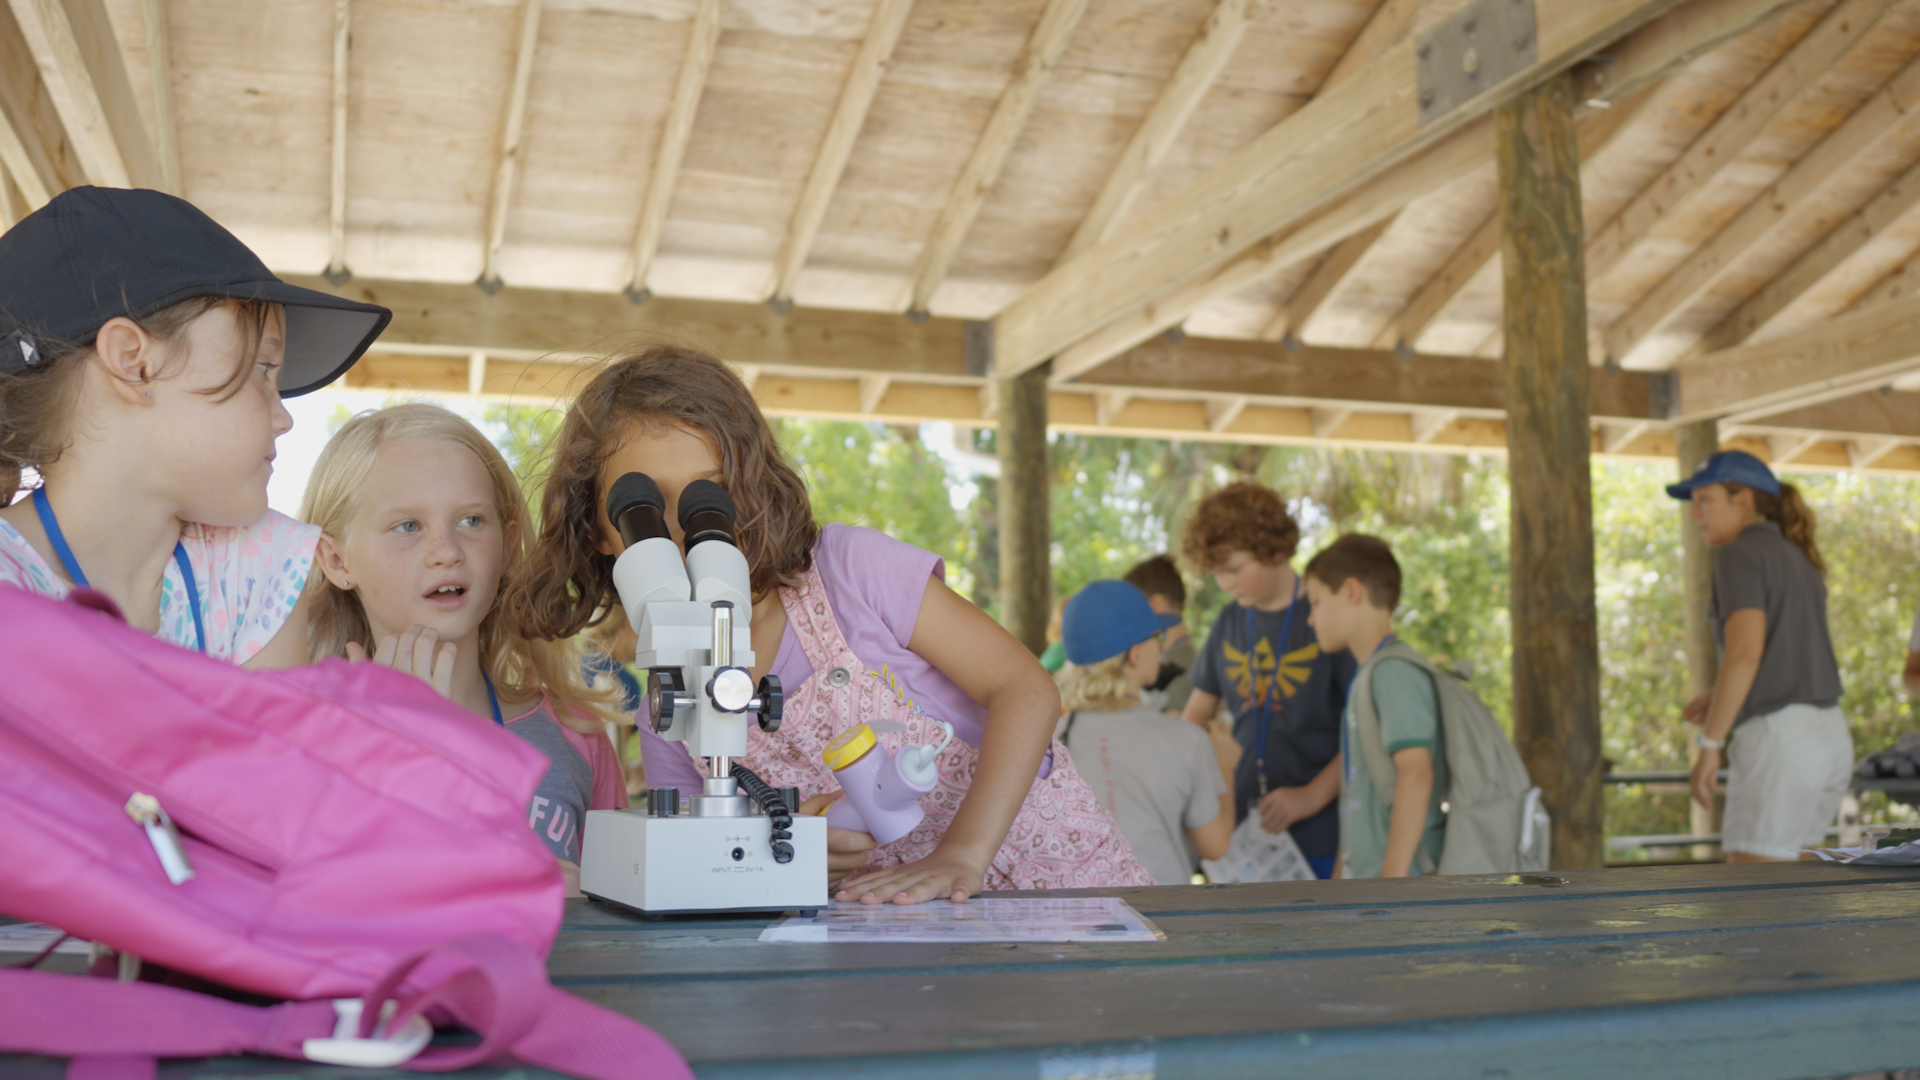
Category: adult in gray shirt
[1160,777]
[1778,692]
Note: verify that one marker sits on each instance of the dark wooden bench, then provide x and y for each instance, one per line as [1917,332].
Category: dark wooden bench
[1769,972]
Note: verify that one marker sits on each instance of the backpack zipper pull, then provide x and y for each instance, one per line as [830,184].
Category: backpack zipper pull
[146,810]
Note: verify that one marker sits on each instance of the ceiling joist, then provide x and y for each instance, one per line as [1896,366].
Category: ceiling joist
[513,124]
[166,136]
[1841,356]
[33,142]
[703,39]
[982,170]
[72,44]
[337,271]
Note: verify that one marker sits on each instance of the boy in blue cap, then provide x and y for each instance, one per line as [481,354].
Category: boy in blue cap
[1165,783]
[1778,686]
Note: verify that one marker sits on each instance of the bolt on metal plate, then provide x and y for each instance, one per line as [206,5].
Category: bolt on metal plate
[1477,48]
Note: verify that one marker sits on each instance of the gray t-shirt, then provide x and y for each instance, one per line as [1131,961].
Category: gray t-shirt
[1157,776]
[1762,569]
[558,812]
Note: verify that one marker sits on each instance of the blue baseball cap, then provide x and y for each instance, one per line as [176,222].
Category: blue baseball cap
[1729,466]
[1106,619]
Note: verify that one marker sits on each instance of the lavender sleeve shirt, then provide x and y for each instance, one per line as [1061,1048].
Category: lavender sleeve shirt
[874,585]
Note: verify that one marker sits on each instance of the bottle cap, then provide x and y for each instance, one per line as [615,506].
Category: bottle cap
[848,747]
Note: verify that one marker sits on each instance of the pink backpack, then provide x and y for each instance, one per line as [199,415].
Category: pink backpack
[348,833]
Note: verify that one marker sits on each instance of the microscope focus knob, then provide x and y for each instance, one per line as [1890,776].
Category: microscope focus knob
[664,695]
[771,702]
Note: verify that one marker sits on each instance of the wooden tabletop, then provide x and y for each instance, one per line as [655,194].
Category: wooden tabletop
[1769,971]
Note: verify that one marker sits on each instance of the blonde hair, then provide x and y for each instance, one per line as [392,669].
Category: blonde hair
[1100,687]
[514,661]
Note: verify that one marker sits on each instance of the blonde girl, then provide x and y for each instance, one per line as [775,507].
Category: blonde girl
[422,525]
[857,626]
[143,355]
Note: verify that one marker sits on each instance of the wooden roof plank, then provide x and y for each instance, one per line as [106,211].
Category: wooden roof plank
[1306,163]
[849,116]
[1784,83]
[1333,271]
[33,142]
[1198,69]
[703,37]
[337,151]
[989,154]
[1835,358]
[73,45]
[1890,112]
[166,137]
[513,122]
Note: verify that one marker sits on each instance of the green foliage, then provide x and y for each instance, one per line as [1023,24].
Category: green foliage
[524,434]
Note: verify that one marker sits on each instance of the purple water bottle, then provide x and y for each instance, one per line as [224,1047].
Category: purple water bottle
[881,792]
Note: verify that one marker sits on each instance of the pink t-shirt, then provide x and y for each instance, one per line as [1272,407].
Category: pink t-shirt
[874,584]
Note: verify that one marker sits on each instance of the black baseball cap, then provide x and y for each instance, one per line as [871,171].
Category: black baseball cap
[93,254]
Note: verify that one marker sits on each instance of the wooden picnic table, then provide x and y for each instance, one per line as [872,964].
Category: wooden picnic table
[1747,971]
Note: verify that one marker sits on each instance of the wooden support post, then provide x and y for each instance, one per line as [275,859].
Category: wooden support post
[1556,656]
[1026,512]
[1693,443]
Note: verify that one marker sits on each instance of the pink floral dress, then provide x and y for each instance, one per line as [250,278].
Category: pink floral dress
[1062,839]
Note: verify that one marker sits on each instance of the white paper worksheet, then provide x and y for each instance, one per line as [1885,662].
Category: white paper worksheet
[1093,918]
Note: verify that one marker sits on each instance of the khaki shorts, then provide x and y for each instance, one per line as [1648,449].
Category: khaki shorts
[1787,772]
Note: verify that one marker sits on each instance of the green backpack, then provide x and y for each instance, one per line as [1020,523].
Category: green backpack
[1495,823]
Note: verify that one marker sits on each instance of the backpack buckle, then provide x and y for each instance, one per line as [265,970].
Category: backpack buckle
[382,1051]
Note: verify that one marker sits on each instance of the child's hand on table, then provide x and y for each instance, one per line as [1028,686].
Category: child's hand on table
[846,849]
[413,653]
[939,874]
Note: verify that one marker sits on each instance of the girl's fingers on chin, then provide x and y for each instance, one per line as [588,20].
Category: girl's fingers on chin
[355,653]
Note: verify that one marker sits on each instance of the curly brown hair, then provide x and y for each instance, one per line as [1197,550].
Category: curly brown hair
[570,580]
[1243,516]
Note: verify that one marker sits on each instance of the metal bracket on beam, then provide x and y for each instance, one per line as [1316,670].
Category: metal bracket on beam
[977,345]
[1663,395]
[1477,48]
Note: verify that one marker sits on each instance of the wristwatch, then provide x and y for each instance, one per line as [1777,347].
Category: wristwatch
[1700,740]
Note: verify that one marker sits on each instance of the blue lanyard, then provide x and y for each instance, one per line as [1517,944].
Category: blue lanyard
[1263,711]
[493,699]
[59,541]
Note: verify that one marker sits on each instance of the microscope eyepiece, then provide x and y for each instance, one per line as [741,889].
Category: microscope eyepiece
[706,513]
[636,508]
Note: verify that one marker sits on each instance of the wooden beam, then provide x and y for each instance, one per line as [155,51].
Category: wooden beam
[1429,424]
[1201,65]
[1869,413]
[1556,652]
[337,271]
[1762,310]
[1890,114]
[1256,212]
[1784,83]
[849,116]
[33,142]
[873,388]
[1319,376]
[1598,129]
[703,38]
[166,138]
[79,59]
[513,122]
[1864,451]
[1326,278]
[977,177]
[1025,505]
[1835,358]
[1785,447]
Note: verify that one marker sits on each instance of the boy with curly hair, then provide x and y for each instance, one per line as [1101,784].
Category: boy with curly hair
[1262,663]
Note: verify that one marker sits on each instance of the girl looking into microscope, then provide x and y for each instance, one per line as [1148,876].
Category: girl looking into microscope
[857,626]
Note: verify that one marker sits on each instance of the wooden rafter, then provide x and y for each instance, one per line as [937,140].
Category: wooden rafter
[1204,60]
[73,45]
[1784,83]
[977,177]
[13,205]
[1246,217]
[856,98]
[703,38]
[33,142]
[513,130]
[337,149]
[1597,132]
[166,139]
[1326,278]
[1890,113]
[1835,358]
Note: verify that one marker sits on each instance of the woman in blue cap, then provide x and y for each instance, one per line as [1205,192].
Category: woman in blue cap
[1167,786]
[1779,685]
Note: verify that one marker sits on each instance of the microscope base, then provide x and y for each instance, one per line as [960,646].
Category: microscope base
[681,864]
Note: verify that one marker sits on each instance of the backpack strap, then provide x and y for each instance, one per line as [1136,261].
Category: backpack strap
[488,984]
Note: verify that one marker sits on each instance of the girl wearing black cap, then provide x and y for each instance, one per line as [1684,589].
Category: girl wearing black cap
[143,355]
[1779,686]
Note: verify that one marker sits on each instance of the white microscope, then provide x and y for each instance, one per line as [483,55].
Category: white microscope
[738,845]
